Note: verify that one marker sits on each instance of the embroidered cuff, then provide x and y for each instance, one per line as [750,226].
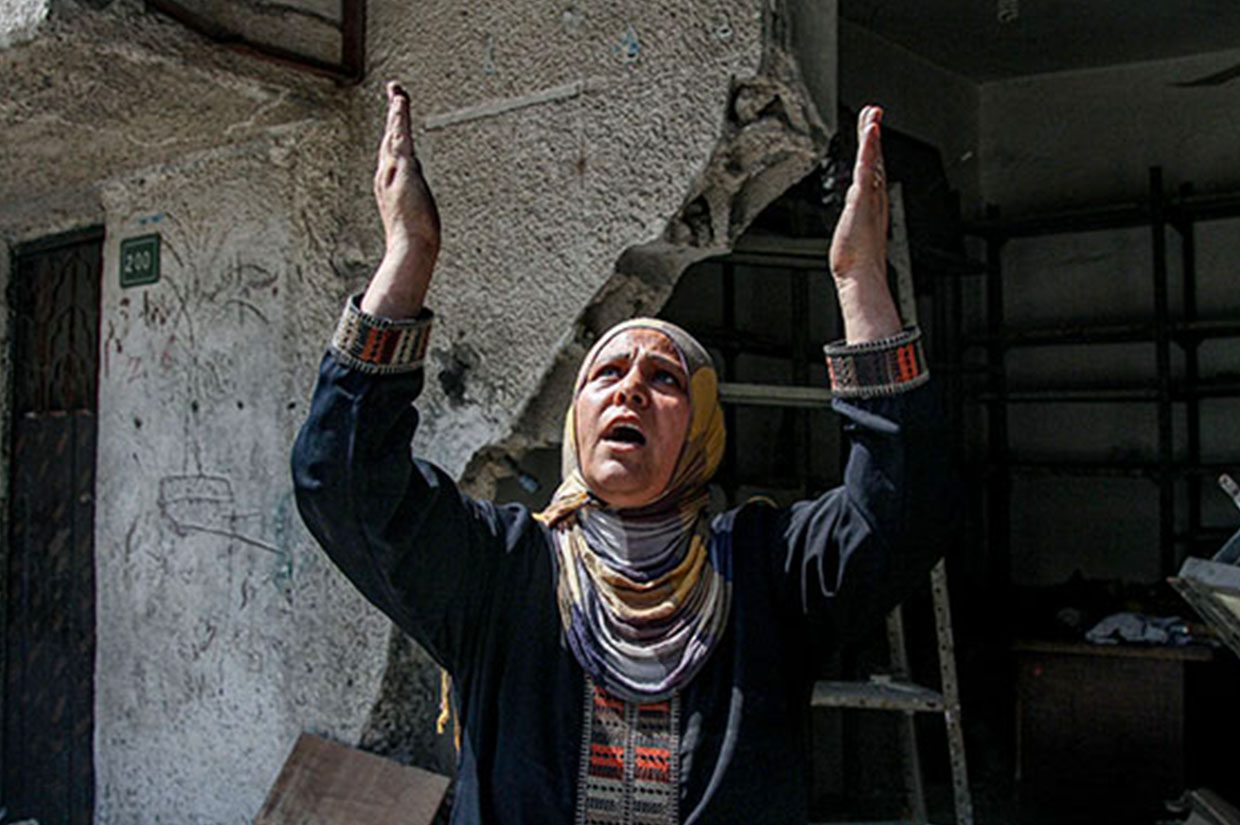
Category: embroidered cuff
[368,343]
[876,368]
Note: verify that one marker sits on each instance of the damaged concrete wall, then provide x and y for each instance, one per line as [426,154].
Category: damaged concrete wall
[556,139]
[581,156]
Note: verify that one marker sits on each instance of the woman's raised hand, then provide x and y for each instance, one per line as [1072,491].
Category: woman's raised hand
[859,247]
[410,219]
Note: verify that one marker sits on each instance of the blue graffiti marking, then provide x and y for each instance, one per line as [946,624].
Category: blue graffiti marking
[630,46]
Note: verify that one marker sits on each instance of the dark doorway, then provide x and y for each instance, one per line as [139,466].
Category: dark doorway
[49,603]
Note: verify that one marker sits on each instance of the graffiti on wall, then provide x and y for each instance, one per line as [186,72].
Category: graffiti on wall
[196,346]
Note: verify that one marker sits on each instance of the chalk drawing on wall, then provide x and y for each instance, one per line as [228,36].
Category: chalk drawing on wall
[206,504]
[210,315]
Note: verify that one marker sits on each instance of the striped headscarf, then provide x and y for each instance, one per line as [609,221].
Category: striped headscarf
[644,593]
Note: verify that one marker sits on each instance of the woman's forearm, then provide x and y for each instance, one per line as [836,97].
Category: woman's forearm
[398,288]
[868,309]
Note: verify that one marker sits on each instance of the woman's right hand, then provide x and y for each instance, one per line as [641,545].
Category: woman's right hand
[410,219]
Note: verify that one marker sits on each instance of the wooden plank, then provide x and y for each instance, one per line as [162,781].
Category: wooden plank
[1212,809]
[1190,653]
[325,783]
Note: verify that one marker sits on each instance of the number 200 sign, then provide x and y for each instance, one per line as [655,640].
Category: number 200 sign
[139,260]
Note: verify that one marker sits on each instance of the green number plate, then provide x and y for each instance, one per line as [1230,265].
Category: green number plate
[140,260]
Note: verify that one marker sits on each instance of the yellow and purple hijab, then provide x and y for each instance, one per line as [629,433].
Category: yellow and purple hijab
[644,594]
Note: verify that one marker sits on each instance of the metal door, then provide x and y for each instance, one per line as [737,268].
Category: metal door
[49,599]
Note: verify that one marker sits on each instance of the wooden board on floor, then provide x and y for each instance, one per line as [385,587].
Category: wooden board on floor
[324,783]
[1208,808]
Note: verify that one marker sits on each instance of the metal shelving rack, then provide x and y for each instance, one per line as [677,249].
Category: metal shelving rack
[1187,331]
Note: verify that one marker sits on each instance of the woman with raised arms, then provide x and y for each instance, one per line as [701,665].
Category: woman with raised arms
[625,655]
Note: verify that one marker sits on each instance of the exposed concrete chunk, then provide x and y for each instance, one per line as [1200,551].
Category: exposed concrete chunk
[20,20]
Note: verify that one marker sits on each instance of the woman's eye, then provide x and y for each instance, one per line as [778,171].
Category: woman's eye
[665,377]
[610,371]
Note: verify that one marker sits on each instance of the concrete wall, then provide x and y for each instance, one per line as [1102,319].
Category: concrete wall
[919,98]
[540,199]
[102,93]
[581,156]
[1090,136]
[1059,141]
[223,631]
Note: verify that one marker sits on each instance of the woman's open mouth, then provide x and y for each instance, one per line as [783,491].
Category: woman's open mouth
[625,435]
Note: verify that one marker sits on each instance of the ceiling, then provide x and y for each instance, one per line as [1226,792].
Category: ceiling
[967,37]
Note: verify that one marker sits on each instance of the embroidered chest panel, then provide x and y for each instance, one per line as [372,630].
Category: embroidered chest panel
[629,772]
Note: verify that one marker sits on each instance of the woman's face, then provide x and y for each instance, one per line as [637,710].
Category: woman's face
[632,418]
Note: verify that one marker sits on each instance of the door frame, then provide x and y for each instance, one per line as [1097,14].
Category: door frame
[13,252]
